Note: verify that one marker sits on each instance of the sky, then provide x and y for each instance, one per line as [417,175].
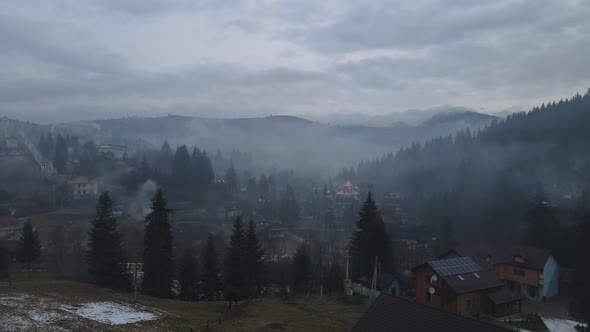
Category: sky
[66,60]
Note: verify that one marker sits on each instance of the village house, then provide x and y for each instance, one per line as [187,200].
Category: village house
[385,284]
[81,187]
[117,151]
[461,286]
[528,271]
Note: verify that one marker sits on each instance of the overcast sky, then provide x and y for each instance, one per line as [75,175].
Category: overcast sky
[75,59]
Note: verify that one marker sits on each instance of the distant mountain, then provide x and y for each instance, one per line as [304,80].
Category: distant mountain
[288,141]
[456,117]
[461,119]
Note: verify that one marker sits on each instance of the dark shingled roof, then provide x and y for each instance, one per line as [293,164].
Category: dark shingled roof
[393,314]
[502,295]
[472,283]
[504,254]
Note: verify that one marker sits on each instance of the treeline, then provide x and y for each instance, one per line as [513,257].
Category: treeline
[192,177]
[69,155]
[524,180]
[240,275]
[485,180]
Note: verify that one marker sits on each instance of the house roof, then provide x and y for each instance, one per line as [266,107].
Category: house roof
[470,282]
[480,279]
[7,221]
[80,180]
[502,296]
[535,258]
[394,314]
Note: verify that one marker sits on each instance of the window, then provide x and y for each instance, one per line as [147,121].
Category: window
[471,305]
[428,297]
[519,272]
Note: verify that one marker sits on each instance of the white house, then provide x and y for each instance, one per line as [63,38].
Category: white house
[81,187]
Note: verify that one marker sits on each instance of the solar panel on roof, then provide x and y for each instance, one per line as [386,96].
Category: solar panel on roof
[449,267]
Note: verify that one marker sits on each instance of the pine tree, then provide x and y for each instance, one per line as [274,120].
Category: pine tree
[157,255]
[210,282]
[234,288]
[188,277]
[29,248]
[541,223]
[3,263]
[105,255]
[254,260]
[181,166]
[370,240]
[301,273]
[60,157]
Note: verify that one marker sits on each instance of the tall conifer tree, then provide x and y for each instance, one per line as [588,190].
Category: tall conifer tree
[188,277]
[254,260]
[210,282]
[105,255]
[370,240]
[157,255]
[29,247]
[234,288]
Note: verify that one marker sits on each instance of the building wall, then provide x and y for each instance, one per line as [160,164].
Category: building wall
[506,272]
[551,278]
[423,274]
[478,304]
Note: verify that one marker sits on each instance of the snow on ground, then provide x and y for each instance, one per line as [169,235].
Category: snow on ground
[111,313]
[27,312]
[560,325]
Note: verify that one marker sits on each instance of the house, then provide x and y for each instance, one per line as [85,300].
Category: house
[81,187]
[461,286]
[386,284]
[395,314]
[531,272]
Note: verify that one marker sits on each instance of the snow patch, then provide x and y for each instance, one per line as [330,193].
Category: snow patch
[560,325]
[110,313]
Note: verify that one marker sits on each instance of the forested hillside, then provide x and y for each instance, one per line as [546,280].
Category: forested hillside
[485,180]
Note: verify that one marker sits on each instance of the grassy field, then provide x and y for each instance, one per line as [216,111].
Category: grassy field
[39,306]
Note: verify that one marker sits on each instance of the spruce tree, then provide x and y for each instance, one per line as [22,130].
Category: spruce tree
[234,288]
[157,253]
[542,223]
[3,263]
[105,255]
[29,248]
[301,273]
[188,277]
[254,260]
[210,282]
[370,240]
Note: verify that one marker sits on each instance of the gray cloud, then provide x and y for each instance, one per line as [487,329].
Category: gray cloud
[66,59]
